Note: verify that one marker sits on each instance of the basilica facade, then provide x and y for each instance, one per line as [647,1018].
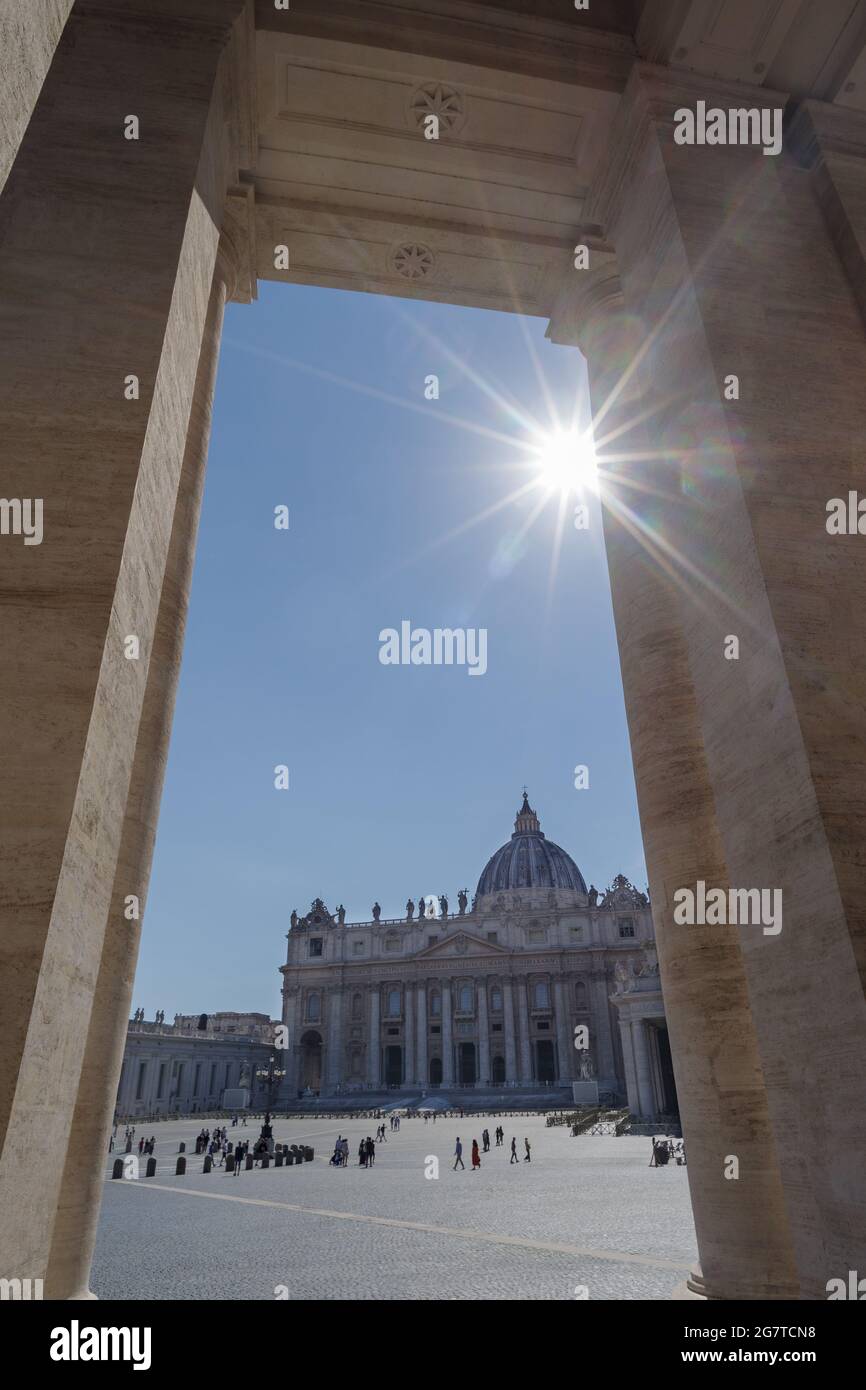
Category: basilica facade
[539,982]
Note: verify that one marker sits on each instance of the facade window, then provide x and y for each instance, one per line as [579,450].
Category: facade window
[577,932]
[543,1027]
[179,1079]
[580,994]
[497,1028]
[196,1078]
[541,994]
[393,1003]
[537,934]
[465,998]
[496,1001]
[436,1028]
[431,940]
[315,945]
[436,1004]
[358,948]
[357,1006]
[142,1073]
[626,926]
[393,1032]
[212,1078]
[314,1008]
[160,1085]
[493,936]
[392,943]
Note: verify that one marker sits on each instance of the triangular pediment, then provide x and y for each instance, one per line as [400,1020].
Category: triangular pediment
[461,945]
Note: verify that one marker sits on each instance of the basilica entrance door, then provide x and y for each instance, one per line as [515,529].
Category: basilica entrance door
[545,1062]
[311,1061]
[499,1071]
[393,1066]
[435,1071]
[467,1064]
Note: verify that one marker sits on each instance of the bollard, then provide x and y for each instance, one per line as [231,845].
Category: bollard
[117,1169]
[181,1167]
[308,1154]
[230,1163]
[278,1159]
[266,1162]
[208,1163]
[182,1149]
[290,1158]
[151,1168]
[249,1163]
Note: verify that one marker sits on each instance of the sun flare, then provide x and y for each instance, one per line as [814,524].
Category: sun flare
[566,461]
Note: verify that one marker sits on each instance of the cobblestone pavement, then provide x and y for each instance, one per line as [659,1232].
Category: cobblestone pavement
[586,1213]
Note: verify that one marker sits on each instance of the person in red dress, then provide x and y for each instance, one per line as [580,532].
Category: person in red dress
[476,1157]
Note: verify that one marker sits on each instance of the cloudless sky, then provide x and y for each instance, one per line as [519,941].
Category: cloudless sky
[403,779]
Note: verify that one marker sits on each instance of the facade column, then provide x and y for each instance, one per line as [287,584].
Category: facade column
[483,1035]
[336,1003]
[525,1070]
[289,1056]
[602,1043]
[119,549]
[409,1035]
[642,1069]
[564,1034]
[631,1088]
[510,1031]
[423,1077]
[374,1054]
[780,734]
[447,1036]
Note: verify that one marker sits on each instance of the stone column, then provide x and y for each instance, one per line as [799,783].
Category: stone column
[447,1036]
[510,1031]
[631,1087]
[374,1055]
[336,1004]
[600,1033]
[148,239]
[707,250]
[409,1035]
[423,1078]
[564,1034]
[525,1070]
[289,1057]
[642,1068]
[483,1035]
[29,34]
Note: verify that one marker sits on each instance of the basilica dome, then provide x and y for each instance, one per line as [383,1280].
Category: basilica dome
[529,860]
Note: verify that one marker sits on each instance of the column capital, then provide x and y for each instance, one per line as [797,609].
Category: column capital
[586,295]
[236,253]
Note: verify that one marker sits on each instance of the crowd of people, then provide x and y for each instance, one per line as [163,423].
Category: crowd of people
[666,1151]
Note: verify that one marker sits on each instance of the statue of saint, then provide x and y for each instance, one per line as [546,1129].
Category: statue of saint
[377,912]
[462,900]
[586,1067]
[294,918]
[443,904]
[593,895]
[341,914]
[410,910]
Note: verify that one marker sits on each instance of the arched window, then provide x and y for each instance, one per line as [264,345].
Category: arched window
[580,994]
[435,1004]
[357,1006]
[393,1003]
[466,999]
[542,994]
[314,1007]
[496,1000]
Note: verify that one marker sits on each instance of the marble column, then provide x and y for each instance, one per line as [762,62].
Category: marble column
[510,1032]
[757,459]
[525,1054]
[642,1068]
[600,1035]
[289,1055]
[336,1002]
[447,1039]
[374,1045]
[631,1086]
[118,549]
[564,1034]
[483,1036]
[409,1035]
[423,1075]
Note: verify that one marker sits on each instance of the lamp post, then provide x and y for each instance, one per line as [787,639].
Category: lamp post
[269,1077]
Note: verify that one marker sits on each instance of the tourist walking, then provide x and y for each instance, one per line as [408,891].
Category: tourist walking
[362,1154]
[458,1155]
[476,1157]
[513,1150]
[485,1137]
[528,1155]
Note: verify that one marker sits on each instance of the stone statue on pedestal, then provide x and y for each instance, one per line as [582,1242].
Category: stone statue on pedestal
[462,900]
[341,915]
[410,910]
[377,912]
[443,904]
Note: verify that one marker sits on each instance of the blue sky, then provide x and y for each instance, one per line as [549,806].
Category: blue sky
[403,780]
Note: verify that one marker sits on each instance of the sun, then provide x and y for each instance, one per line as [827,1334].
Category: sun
[566,461]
